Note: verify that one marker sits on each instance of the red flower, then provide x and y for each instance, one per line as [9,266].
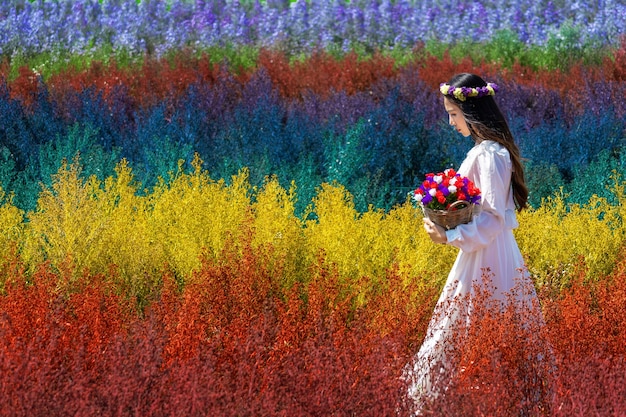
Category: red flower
[444,194]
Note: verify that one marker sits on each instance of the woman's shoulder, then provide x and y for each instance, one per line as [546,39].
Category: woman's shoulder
[487,153]
[489,148]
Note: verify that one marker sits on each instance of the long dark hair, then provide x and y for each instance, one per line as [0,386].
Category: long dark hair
[485,121]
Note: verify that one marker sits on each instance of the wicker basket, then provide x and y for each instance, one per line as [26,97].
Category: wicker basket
[460,212]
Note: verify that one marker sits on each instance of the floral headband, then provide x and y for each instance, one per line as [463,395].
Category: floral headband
[462,93]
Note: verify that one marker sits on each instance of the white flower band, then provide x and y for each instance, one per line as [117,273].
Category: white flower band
[462,93]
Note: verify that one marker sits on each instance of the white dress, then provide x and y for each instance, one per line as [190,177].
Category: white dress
[487,248]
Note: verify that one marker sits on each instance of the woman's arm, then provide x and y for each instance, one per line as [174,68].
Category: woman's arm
[491,171]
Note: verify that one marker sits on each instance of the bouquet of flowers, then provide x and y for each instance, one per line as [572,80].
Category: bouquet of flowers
[447,198]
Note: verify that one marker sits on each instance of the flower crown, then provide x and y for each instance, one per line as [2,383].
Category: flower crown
[462,93]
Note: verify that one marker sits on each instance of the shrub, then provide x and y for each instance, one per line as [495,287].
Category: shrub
[551,240]
[235,341]
[280,118]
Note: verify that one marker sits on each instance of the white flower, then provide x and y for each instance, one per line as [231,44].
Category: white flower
[452,189]
[438,178]
[432,192]
[453,180]
[418,197]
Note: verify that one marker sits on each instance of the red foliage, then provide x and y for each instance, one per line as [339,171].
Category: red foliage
[324,74]
[587,328]
[52,342]
[258,351]
[434,70]
[233,342]
[26,87]
[619,64]
[499,364]
[158,80]
[147,85]
[572,365]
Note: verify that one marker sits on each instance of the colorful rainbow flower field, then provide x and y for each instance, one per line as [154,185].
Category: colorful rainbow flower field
[205,205]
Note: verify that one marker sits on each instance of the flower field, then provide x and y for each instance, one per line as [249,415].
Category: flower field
[204,205]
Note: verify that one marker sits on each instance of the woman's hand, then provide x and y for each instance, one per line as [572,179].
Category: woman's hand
[436,232]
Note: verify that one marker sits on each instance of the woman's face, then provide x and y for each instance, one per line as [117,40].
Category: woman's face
[455,117]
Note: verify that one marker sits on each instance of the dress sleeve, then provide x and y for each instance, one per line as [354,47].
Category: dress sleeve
[491,171]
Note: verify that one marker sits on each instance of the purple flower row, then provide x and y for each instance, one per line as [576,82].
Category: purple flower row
[156,26]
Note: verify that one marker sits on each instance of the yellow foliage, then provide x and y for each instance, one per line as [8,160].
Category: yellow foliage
[67,222]
[367,244]
[125,243]
[11,230]
[557,239]
[87,225]
[11,223]
[279,230]
[192,214]
[417,255]
[109,227]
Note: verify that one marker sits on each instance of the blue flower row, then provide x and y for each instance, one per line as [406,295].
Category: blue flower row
[378,143]
[157,26]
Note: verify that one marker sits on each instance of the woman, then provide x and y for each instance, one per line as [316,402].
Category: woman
[489,258]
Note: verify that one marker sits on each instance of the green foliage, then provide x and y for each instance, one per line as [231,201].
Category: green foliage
[237,58]
[596,178]
[58,60]
[563,49]
[542,179]
[7,168]
[79,145]
[81,142]
[306,177]
[505,49]
[344,158]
